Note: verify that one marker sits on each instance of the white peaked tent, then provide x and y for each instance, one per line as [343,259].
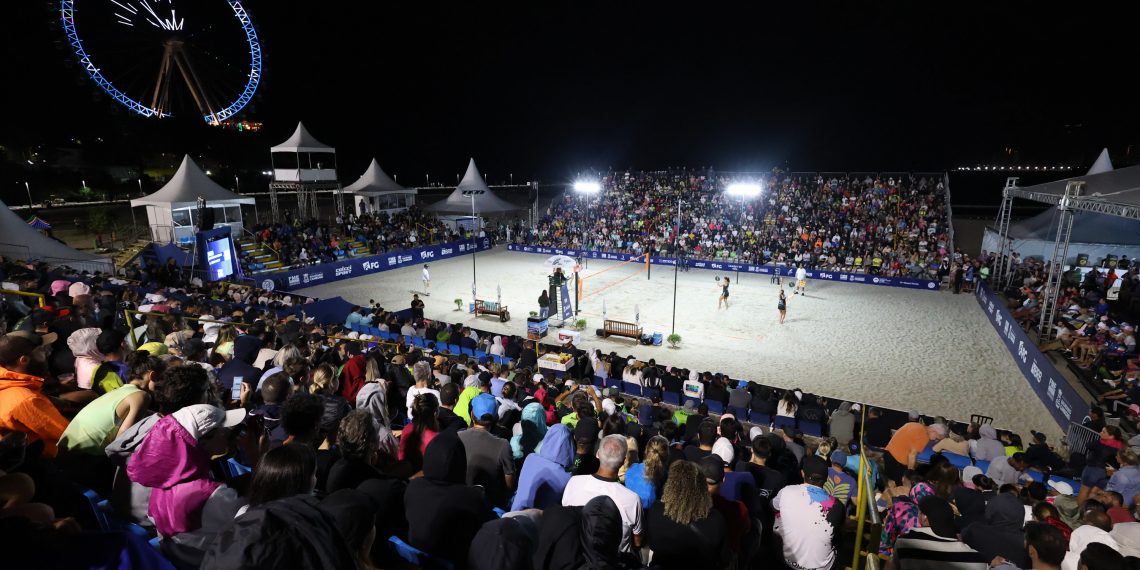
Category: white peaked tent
[172,210]
[21,241]
[376,191]
[312,159]
[486,202]
[1094,235]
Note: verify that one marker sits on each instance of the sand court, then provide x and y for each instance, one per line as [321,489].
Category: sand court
[902,348]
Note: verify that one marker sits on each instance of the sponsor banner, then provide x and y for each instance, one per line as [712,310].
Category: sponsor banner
[1063,401]
[732,266]
[567,309]
[356,267]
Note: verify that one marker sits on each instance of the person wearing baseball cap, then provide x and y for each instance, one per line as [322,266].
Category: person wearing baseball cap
[489,459]
[839,483]
[23,406]
[174,461]
[809,520]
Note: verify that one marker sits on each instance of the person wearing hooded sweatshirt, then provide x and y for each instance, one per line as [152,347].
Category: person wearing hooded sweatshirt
[241,365]
[1001,533]
[842,424]
[23,406]
[987,447]
[293,532]
[443,512]
[186,504]
[572,538]
[529,432]
[87,356]
[545,473]
[503,544]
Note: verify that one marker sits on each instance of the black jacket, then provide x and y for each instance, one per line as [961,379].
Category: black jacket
[284,534]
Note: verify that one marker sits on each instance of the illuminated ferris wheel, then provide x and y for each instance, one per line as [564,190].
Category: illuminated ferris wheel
[160,58]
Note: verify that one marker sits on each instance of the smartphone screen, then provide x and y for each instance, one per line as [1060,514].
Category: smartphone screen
[235,392]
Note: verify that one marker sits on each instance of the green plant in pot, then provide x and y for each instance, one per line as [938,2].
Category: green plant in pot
[458,304]
[580,324]
[674,340]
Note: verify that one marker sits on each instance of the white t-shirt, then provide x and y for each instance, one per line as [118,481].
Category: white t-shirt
[581,488]
[427,276]
[413,392]
[803,525]
[801,274]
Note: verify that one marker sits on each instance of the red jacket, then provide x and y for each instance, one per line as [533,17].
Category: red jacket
[352,377]
[23,407]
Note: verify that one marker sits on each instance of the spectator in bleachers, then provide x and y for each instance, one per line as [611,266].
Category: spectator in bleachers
[420,433]
[1126,479]
[987,447]
[1008,470]
[1000,534]
[905,445]
[841,424]
[443,512]
[645,478]
[490,464]
[1101,456]
[683,529]
[546,472]
[581,488]
[187,504]
[808,520]
[23,406]
[934,542]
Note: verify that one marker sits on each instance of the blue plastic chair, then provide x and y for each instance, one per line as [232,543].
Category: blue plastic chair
[599,382]
[418,342]
[741,414]
[455,349]
[784,422]
[631,388]
[927,453]
[982,464]
[467,351]
[100,515]
[480,354]
[760,418]
[498,512]
[236,469]
[613,383]
[441,346]
[715,407]
[1037,476]
[417,557]
[814,429]
[959,461]
[672,398]
[375,332]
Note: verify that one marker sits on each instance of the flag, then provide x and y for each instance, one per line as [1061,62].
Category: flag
[637,315]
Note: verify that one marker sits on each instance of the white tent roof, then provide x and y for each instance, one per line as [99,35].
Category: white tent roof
[22,241]
[485,203]
[302,141]
[375,182]
[186,186]
[1102,164]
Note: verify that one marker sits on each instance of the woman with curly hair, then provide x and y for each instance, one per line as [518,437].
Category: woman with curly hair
[684,531]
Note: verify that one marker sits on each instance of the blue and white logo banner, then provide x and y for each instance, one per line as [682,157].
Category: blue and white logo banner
[356,267]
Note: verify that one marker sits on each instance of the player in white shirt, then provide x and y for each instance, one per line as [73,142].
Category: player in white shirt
[427,281]
[801,282]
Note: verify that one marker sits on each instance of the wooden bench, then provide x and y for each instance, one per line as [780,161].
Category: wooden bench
[621,328]
[492,308]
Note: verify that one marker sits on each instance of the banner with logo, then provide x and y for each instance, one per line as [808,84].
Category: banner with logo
[905,282]
[567,309]
[356,267]
[1055,392]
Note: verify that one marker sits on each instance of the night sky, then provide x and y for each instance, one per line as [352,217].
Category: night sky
[550,89]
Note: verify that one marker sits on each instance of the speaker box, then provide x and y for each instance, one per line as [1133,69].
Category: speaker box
[207,219]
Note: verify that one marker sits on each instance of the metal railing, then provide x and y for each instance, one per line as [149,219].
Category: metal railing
[1079,438]
[38,296]
[867,508]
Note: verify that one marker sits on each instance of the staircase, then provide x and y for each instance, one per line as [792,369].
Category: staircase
[358,248]
[257,253]
[125,256]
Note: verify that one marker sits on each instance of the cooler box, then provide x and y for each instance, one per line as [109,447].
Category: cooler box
[536,328]
[657,338]
[565,336]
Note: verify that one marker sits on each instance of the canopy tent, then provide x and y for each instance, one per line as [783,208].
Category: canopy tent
[1095,235]
[1102,164]
[486,201]
[38,223]
[302,141]
[379,192]
[21,241]
[172,210]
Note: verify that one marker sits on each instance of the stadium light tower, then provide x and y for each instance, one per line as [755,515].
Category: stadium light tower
[587,188]
[746,191]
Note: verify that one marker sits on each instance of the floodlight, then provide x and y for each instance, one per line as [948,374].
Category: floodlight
[587,187]
[744,189]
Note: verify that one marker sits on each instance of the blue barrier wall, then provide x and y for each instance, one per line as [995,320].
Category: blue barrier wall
[1063,401]
[359,266]
[905,282]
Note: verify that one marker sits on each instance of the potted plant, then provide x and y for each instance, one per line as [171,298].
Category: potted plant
[459,304]
[580,324]
[674,339]
[534,313]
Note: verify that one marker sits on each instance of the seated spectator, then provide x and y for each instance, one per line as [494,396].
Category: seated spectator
[23,406]
[358,443]
[646,478]
[545,473]
[706,437]
[581,488]
[1099,456]
[580,537]
[953,443]
[841,424]
[489,461]
[737,521]
[585,440]
[186,504]
[419,434]
[910,440]
[903,512]
[241,366]
[683,530]
[808,520]
[292,532]
[1008,470]
[447,418]
[283,472]
[529,431]
[504,544]
[1041,456]
[1044,512]
[112,414]
[934,542]
[839,484]
[1000,534]
[324,385]
[1126,480]
[443,512]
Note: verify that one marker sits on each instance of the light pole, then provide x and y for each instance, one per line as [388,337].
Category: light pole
[29,189]
[744,190]
[676,264]
[474,236]
[587,188]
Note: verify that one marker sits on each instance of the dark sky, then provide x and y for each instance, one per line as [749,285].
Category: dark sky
[551,88]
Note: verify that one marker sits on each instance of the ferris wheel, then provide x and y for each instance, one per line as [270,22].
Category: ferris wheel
[160,58]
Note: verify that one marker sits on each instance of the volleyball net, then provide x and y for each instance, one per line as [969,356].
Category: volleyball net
[612,276]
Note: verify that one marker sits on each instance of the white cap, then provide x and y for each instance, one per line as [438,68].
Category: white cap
[200,419]
[539,377]
[609,407]
[856,407]
[722,448]
[1061,487]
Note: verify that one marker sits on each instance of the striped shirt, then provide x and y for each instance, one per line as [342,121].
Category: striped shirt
[921,549]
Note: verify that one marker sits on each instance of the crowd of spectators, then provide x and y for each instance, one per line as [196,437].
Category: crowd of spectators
[875,224]
[299,243]
[257,441]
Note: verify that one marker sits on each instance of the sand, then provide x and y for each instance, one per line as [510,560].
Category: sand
[906,349]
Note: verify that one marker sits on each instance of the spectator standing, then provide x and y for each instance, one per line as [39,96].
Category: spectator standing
[683,529]
[23,406]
